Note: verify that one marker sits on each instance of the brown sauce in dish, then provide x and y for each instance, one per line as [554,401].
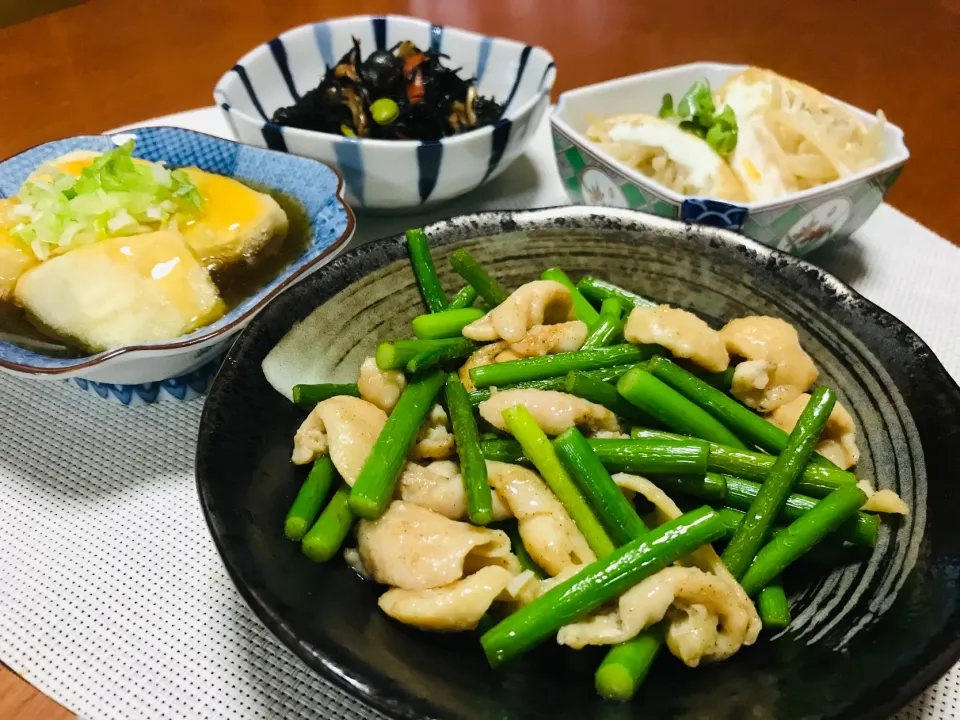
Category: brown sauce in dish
[239,281]
[235,283]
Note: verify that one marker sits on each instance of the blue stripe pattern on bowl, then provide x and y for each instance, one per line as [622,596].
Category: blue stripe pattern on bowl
[312,184]
[281,71]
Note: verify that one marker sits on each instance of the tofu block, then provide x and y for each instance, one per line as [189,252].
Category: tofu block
[122,291]
[235,223]
[15,257]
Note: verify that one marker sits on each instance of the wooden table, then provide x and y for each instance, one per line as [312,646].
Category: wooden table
[98,64]
[104,63]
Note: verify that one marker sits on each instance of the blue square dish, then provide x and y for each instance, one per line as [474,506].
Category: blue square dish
[171,369]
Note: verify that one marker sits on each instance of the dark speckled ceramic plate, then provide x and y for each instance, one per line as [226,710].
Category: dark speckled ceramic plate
[864,640]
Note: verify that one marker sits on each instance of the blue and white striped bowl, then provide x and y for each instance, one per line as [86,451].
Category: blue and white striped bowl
[182,368]
[391,174]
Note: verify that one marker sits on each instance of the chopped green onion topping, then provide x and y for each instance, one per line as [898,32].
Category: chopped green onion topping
[112,196]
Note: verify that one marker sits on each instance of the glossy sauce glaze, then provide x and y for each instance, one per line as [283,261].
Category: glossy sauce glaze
[235,282]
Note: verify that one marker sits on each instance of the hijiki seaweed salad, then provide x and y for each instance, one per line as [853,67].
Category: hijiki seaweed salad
[404,93]
[555,464]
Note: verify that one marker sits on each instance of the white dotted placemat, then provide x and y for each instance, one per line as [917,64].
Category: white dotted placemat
[113,599]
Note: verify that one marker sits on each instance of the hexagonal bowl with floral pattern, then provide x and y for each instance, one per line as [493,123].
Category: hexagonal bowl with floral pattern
[797,223]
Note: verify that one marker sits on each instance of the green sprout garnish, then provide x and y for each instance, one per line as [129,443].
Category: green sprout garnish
[666,106]
[698,116]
